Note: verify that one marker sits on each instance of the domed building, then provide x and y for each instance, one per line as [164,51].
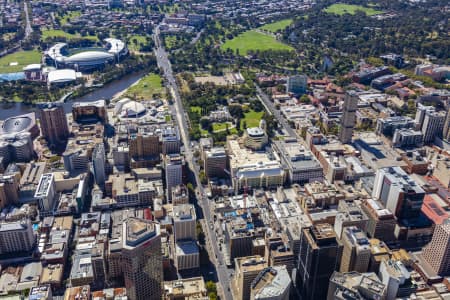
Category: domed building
[127,108]
[256,138]
[20,124]
[59,55]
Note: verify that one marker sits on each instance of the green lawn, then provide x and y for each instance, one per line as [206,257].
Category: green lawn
[23,58]
[252,40]
[140,39]
[196,109]
[280,25]
[342,8]
[146,88]
[69,16]
[223,126]
[252,118]
[52,33]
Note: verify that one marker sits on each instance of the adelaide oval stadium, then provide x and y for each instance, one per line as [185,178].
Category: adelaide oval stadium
[85,59]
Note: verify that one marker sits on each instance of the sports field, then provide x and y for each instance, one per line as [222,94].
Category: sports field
[280,25]
[342,8]
[146,87]
[22,58]
[253,41]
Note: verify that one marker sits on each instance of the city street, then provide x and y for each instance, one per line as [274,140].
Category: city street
[178,111]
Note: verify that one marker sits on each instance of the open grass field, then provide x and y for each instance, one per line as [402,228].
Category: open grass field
[140,39]
[342,8]
[22,58]
[274,27]
[52,33]
[252,41]
[251,118]
[223,126]
[69,16]
[146,88]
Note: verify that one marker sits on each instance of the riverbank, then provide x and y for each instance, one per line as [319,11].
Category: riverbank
[108,91]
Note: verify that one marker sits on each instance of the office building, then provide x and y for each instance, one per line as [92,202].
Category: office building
[388,126]
[319,256]
[215,162]
[356,252]
[446,131]
[98,164]
[53,122]
[16,147]
[16,236]
[144,147]
[397,279]
[170,139]
[355,286]
[437,252]
[239,238]
[9,190]
[186,288]
[41,292]
[433,125]
[399,193]
[90,112]
[349,214]
[141,259]
[421,112]
[279,253]
[187,255]
[348,119]
[407,138]
[180,195]
[430,122]
[297,84]
[381,223]
[272,283]
[246,271]
[45,192]
[300,164]
[379,252]
[255,138]
[253,169]
[184,222]
[76,160]
[173,167]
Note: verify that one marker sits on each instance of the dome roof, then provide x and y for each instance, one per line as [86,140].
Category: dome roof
[18,124]
[129,108]
[89,56]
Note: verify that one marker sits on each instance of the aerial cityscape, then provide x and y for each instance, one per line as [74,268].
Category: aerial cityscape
[224,149]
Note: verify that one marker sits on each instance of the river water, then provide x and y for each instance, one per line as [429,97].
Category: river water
[8,110]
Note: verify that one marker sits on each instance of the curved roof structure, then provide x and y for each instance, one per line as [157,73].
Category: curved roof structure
[129,108]
[54,52]
[89,57]
[255,132]
[19,124]
[60,76]
[115,46]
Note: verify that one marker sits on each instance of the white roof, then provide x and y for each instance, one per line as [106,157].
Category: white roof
[128,107]
[88,56]
[117,46]
[32,67]
[64,75]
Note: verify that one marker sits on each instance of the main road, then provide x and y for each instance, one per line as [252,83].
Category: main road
[264,98]
[28,28]
[178,110]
